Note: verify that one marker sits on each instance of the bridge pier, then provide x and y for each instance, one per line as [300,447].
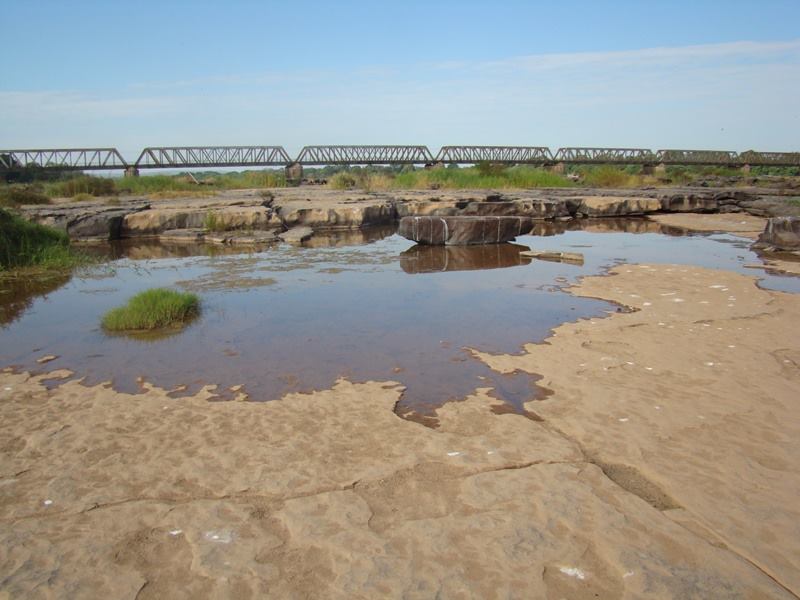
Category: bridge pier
[745,169]
[131,172]
[559,167]
[660,169]
[648,169]
[294,173]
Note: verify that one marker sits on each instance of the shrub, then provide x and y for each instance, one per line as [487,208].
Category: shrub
[16,194]
[85,185]
[342,181]
[489,169]
[157,308]
[607,176]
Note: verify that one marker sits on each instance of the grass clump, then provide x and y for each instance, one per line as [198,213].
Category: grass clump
[213,223]
[157,308]
[26,244]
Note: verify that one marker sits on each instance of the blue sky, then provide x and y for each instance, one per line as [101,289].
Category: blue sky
[645,74]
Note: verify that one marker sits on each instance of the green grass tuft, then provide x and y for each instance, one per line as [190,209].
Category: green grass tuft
[26,244]
[157,308]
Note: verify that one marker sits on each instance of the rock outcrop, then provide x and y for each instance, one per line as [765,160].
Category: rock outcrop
[613,206]
[456,231]
[326,209]
[780,233]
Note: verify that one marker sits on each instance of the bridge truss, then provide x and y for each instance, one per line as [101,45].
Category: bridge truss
[770,159]
[528,155]
[364,155]
[212,156]
[627,156]
[66,159]
[697,157]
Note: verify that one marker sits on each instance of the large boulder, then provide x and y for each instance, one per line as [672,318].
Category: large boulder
[457,231]
[780,233]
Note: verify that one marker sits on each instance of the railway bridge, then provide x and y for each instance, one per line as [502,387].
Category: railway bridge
[190,157]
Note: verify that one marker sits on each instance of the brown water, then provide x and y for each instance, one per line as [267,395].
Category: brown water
[362,305]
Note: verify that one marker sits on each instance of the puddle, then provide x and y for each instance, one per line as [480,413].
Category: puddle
[364,305]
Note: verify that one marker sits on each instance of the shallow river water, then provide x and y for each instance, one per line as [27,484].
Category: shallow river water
[365,305]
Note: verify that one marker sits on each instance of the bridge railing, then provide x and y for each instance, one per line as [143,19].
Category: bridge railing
[212,156]
[628,156]
[530,155]
[65,159]
[364,155]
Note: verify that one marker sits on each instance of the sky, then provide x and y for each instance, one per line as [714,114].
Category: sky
[678,74]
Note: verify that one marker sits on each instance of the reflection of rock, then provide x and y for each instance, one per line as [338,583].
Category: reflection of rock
[456,231]
[335,238]
[182,236]
[553,256]
[780,233]
[433,259]
[606,225]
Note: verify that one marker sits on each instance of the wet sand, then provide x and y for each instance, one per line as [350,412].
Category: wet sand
[663,464]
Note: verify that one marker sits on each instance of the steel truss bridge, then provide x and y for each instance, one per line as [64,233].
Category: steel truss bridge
[186,157]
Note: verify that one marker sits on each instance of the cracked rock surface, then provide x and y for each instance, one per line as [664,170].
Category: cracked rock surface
[595,493]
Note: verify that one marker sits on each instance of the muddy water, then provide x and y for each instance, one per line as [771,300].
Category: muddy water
[364,305]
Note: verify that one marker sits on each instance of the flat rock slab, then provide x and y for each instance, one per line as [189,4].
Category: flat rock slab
[458,231]
[296,234]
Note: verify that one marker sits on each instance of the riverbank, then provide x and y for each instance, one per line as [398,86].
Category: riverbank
[658,464]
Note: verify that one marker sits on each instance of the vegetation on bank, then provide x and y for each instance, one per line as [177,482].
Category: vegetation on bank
[370,178]
[156,308]
[478,177]
[26,244]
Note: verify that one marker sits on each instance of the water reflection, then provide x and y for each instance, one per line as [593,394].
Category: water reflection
[17,294]
[437,259]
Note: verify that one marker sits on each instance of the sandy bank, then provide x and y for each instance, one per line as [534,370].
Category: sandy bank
[663,465]
[695,392]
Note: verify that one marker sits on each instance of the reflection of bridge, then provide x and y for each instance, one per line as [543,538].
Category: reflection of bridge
[184,157]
